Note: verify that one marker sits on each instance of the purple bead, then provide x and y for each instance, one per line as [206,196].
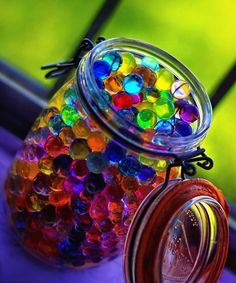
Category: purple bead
[180,103]
[146,173]
[74,185]
[189,113]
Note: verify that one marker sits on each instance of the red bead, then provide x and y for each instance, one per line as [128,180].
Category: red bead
[123,100]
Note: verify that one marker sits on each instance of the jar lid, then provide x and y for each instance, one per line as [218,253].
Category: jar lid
[178,235]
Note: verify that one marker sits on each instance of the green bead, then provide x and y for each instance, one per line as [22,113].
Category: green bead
[166,94]
[146,160]
[161,165]
[69,115]
[146,119]
[164,108]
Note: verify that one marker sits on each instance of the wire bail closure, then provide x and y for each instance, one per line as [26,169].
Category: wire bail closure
[61,68]
[187,166]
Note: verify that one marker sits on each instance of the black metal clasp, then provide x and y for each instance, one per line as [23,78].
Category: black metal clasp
[186,162]
[62,68]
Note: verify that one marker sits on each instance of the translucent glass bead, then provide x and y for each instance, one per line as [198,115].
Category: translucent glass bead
[122,100]
[164,128]
[164,108]
[114,152]
[133,83]
[150,62]
[69,115]
[113,84]
[164,79]
[189,113]
[183,129]
[128,63]
[129,166]
[146,119]
[101,69]
[113,59]
[96,162]
[180,89]
[148,75]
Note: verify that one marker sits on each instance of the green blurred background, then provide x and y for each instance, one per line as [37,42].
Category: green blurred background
[200,33]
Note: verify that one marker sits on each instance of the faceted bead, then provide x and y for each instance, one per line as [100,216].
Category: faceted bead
[54,146]
[55,124]
[80,129]
[69,115]
[114,152]
[59,198]
[96,141]
[129,166]
[66,135]
[129,184]
[79,149]
[79,168]
[61,164]
[96,162]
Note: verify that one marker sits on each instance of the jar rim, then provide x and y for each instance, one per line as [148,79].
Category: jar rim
[168,145]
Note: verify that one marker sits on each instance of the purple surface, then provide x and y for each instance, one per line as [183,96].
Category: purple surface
[16,266]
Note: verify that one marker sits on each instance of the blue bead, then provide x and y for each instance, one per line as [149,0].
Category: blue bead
[67,249]
[94,183]
[100,83]
[113,59]
[146,173]
[61,164]
[183,129]
[114,152]
[127,114]
[79,207]
[133,83]
[101,69]
[55,124]
[96,162]
[129,166]
[164,128]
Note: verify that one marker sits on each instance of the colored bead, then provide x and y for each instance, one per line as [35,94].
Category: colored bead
[146,174]
[164,79]
[129,184]
[114,152]
[80,129]
[69,115]
[96,162]
[48,214]
[98,209]
[164,128]
[133,83]
[183,129]
[145,105]
[59,198]
[100,83]
[79,206]
[129,166]
[61,164]
[137,98]
[189,113]
[73,185]
[55,124]
[94,182]
[113,59]
[101,69]
[33,203]
[152,95]
[70,96]
[41,184]
[146,119]
[127,114]
[45,165]
[113,193]
[180,89]
[161,165]
[164,108]
[148,75]
[179,104]
[96,141]
[113,84]
[128,63]
[79,149]
[122,100]
[150,62]
[57,183]
[54,146]
[79,168]
[48,113]
[112,175]
[66,135]
[146,160]
[166,94]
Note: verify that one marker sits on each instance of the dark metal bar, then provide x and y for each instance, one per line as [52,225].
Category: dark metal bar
[223,87]
[103,15]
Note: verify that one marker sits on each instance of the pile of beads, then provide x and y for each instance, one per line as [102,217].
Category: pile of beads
[144,92]
[73,190]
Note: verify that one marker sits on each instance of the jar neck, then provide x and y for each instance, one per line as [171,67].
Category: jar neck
[124,131]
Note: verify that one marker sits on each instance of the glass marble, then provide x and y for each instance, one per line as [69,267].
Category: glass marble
[133,83]
[113,84]
[183,129]
[189,113]
[180,89]
[164,108]
[146,119]
[114,59]
[122,100]
[148,75]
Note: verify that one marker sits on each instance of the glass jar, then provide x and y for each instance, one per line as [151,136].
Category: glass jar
[86,167]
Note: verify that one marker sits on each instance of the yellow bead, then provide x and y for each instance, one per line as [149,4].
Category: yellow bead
[67,136]
[45,165]
[80,129]
[128,63]
[164,79]
[145,105]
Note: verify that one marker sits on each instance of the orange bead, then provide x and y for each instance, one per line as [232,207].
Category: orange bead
[54,146]
[148,75]
[115,217]
[147,136]
[174,173]
[115,207]
[113,84]
[129,184]
[57,183]
[96,141]
[67,136]
[26,169]
[80,129]
[59,198]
